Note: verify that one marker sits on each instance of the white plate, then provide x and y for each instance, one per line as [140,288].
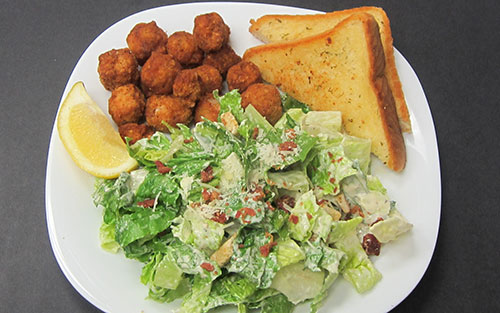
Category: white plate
[111,282]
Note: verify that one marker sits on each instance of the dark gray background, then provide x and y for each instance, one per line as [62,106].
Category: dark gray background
[452,45]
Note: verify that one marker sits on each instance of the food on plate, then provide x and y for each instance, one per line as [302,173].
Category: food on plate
[210,32]
[183,66]
[182,46]
[266,99]
[222,59]
[188,85]
[117,67]
[211,79]
[242,75]
[158,74]
[89,137]
[250,215]
[340,69]
[145,38]
[126,104]
[280,28]
[208,107]
[167,109]
[135,131]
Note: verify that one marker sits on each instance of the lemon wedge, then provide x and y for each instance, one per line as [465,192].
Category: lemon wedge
[89,137]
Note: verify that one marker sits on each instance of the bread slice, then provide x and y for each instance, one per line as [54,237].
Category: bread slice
[279,28]
[340,69]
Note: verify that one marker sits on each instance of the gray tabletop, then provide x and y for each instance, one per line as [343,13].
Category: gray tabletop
[452,45]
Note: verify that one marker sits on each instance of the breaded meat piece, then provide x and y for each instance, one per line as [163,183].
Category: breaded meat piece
[242,75]
[126,104]
[168,109]
[145,38]
[222,59]
[264,98]
[182,47]
[188,85]
[211,78]
[117,67]
[208,107]
[158,74]
[135,131]
[210,32]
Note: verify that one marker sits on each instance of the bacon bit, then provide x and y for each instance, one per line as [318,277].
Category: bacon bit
[219,217]
[332,180]
[207,174]
[162,168]
[321,202]
[330,155]
[241,246]
[246,198]
[259,210]
[287,146]
[226,204]
[259,193]
[214,195]
[249,211]
[356,209]
[244,212]
[379,219]
[147,203]
[335,189]
[216,273]
[191,139]
[205,194]
[290,133]
[294,219]
[340,159]
[255,133]
[288,200]
[269,206]
[309,216]
[207,266]
[265,249]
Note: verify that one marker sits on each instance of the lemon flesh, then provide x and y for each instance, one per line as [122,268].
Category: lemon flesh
[89,137]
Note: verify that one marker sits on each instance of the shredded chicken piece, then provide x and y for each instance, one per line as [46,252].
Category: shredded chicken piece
[224,253]
[342,203]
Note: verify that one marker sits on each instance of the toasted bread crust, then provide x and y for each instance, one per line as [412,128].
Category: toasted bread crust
[280,28]
[315,71]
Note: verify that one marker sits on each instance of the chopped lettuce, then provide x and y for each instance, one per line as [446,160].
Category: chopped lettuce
[289,277]
[357,269]
[252,217]
[254,257]
[390,228]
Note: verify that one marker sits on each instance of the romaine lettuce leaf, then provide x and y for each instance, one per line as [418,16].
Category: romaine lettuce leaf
[277,304]
[230,289]
[391,227]
[289,277]
[112,195]
[254,257]
[289,252]
[147,151]
[107,238]
[303,217]
[206,235]
[357,269]
[340,229]
[142,223]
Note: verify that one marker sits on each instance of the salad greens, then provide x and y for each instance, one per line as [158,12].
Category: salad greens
[254,216]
